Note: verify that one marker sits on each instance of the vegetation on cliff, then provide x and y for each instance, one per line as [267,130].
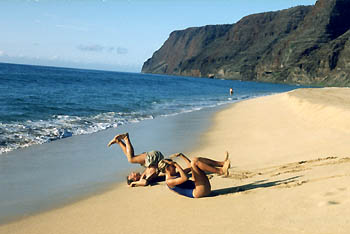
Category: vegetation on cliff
[300,45]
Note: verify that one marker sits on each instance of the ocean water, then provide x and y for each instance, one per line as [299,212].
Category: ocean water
[55,124]
[42,104]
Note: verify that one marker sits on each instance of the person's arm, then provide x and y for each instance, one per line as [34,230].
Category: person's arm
[187,170]
[144,180]
[141,182]
[176,181]
[186,159]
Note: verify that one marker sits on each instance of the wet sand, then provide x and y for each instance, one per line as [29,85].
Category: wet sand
[47,176]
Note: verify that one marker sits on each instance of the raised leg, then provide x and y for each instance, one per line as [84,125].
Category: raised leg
[128,149]
[201,181]
[218,167]
[208,165]
[211,162]
[123,147]
[201,165]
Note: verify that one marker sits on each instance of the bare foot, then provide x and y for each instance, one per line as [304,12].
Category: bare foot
[124,136]
[227,156]
[116,139]
[113,141]
[227,165]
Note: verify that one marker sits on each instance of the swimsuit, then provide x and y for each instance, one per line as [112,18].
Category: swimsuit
[185,189]
[152,158]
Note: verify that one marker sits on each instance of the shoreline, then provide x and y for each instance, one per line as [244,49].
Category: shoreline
[54,175]
[289,174]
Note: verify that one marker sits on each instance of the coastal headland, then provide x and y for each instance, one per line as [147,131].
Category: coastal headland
[290,174]
[299,45]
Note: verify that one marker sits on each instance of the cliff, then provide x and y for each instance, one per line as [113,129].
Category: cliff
[300,45]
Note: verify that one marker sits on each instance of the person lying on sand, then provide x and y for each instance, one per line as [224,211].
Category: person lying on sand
[148,159]
[200,185]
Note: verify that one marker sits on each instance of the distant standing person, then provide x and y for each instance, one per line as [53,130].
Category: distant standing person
[231,91]
[148,159]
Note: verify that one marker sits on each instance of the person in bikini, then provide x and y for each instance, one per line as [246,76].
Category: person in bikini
[149,160]
[200,185]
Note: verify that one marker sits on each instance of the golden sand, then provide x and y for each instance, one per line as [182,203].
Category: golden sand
[290,171]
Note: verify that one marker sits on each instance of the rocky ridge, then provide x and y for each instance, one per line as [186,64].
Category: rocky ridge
[299,45]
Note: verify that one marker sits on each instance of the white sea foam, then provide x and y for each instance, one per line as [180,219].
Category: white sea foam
[20,135]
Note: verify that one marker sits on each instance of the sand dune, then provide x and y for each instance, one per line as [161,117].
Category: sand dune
[290,174]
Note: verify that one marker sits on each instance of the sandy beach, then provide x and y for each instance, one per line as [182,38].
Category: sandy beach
[290,174]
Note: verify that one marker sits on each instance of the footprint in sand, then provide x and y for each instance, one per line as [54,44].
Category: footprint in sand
[333,203]
[342,189]
[327,203]
[333,196]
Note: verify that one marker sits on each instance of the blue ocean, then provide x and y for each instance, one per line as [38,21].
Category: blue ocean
[42,104]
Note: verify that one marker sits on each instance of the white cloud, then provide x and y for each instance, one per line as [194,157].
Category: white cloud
[71,62]
[100,48]
[2,53]
[91,48]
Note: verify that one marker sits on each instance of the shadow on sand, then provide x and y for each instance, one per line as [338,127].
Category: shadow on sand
[251,186]
[157,180]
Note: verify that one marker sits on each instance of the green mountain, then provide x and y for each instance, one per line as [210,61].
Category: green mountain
[300,45]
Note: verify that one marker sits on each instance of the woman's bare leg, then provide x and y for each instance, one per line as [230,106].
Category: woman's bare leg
[201,165]
[201,181]
[218,167]
[211,162]
[209,165]
[215,163]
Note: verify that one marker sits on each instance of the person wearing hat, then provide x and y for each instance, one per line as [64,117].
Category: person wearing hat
[149,160]
[177,180]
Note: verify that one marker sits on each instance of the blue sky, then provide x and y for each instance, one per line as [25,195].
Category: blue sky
[114,35]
